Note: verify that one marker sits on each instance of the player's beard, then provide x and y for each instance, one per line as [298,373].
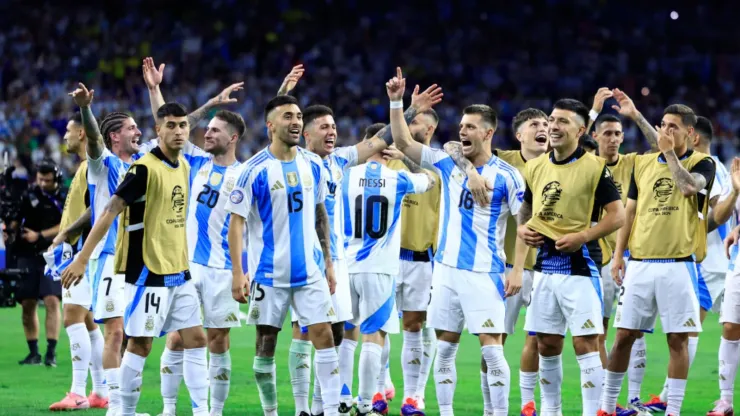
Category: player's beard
[419,137]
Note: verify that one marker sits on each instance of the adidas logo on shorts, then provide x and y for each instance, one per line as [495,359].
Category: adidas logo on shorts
[588,325]
[488,324]
[689,324]
[231,318]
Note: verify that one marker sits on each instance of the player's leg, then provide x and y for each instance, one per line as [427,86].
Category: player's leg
[299,366]
[412,297]
[100,393]
[28,295]
[636,310]
[636,370]
[385,384]
[347,365]
[514,305]
[447,317]
[51,292]
[132,368]
[729,347]
[529,365]
[170,372]
[545,318]
[429,351]
[611,291]
[337,330]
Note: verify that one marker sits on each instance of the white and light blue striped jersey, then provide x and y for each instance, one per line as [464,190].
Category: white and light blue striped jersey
[716,260]
[104,174]
[471,237]
[373,196]
[336,163]
[278,200]
[57,260]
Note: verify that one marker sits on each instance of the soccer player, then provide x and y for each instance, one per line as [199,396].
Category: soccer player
[469,265]
[85,338]
[667,196]
[152,254]
[375,193]
[281,192]
[565,193]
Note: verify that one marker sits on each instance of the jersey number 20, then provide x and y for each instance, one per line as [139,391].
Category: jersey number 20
[369,206]
[208,196]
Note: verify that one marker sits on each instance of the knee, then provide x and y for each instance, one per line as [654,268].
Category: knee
[51,303]
[549,346]
[730,331]
[266,342]
[113,334]
[678,343]
[174,342]
[139,346]
[586,344]
[218,341]
[625,338]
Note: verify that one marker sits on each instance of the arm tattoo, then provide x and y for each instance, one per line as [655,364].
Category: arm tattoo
[432,180]
[116,205]
[92,131]
[385,133]
[322,230]
[687,182]
[525,213]
[196,116]
[80,223]
[454,149]
[413,167]
[648,131]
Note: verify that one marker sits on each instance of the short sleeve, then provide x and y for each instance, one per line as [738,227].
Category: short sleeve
[346,157]
[434,158]
[515,188]
[606,190]
[632,192]
[706,168]
[414,183]
[96,167]
[133,185]
[241,197]
[195,156]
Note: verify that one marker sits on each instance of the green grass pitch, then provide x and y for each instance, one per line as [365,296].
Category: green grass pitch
[30,391]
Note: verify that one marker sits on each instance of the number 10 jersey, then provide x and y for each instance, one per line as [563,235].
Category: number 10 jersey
[373,195]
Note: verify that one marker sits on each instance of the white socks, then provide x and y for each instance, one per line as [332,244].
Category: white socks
[636,369]
[445,376]
[612,386]
[369,372]
[411,355]
[195,373]
[170,375]
[317,404]
[132,366]
[347,369]
[551,381]
[299,365]
[219,373]
[592,375]
[728,358]
[487,405]
[79,347]
[384,367]
[676,391]
[499,378]
[327,371]
[264,376]
[97,342]
[429,346]
[527,384]
[113,381]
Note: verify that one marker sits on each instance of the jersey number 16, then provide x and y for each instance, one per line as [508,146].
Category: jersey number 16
[371,215]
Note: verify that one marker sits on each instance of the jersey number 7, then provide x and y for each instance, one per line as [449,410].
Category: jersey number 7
[371,215]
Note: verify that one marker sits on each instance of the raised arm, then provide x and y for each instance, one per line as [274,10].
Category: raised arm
[602,95]
[291,80]
[627,108]
[83,98]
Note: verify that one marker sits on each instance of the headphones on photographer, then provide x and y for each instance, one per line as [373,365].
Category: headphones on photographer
[47,166]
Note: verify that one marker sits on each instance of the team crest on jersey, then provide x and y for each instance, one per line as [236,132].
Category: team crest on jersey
[149,326]
[458,177]
[307,182]
[229,185]
[292,178]
[203,173]
[109,306]
[255,312]
[216,179]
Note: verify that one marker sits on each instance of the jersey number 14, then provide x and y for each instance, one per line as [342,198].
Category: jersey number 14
[376,208]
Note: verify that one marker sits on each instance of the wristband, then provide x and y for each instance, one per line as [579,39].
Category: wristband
[593,115]
[397,104]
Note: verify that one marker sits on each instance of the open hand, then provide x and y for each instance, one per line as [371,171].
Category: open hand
[427,99]
[291,80]
[601,95]
[72,275]
[626,107]
[152,75]
[224,97]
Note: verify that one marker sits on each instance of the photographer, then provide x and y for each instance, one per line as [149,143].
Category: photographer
[38,223]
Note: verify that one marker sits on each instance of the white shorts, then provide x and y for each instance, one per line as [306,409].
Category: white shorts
[414,286]
[715,286]
[340,299]
[81,294]
[310,303]
[220,310]
[514,304]
[611,290]
[731,303]
[462,297]
[108,297]
[651,288]
[155,311]
[563,302]
[374,303]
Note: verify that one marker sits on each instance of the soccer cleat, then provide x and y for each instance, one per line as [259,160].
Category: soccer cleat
[71,401]
[529,409]
[31,359]
[97,402]
[621,411]
[380,406]
[721,408]
[655,404]
[603,413]
[303,414]
[639,408]
[420,404]
[346,410]
[410,408]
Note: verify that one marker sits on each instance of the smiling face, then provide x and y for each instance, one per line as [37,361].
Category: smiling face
[127,137]
[218,137]
[475,135]
[532,134]
[321,135]
[565,127]
[285,124]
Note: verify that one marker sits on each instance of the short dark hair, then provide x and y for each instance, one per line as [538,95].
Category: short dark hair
[526,115]
[76,118]
[607,118]
[112,123]
[312,112]
[588,142]
[278,101]
[372,130]
[172,109]
[433,114]
[687,115]
[486,113]
[573,105]
[233,120]
[704,128]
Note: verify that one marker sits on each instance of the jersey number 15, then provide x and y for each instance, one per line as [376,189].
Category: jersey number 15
[370,205]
